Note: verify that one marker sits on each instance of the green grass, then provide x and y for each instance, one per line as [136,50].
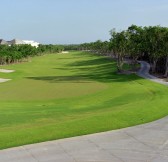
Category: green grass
[63,95]
[127,66]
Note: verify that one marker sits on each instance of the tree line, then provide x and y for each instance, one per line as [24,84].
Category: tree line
[22,52]
[148,43]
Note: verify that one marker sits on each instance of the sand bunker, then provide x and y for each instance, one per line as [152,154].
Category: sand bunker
[6,71]
[4,80]
[65,52]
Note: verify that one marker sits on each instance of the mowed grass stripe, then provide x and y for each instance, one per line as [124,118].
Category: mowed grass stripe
[64,95]
[48,77]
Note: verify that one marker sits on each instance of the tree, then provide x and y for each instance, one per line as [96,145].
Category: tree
[154,44]
[119,45]
[135,43]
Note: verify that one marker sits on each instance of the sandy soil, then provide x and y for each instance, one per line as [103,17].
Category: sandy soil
[6,71]
[65,52]
[4,80]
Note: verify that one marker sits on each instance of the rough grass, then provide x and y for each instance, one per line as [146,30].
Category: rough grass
[63,95]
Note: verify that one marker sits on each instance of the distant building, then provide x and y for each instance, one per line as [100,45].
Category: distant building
[17,42]
[32,43]
[3,41]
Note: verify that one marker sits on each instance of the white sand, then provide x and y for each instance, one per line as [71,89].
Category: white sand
[65,52]
[4,80]
[6,71]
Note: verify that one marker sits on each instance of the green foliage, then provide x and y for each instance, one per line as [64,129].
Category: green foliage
[98,47]
[71,47]
[16,53]
[135,42]
[50,48]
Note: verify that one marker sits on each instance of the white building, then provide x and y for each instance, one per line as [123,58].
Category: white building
[31,42]
[18,41]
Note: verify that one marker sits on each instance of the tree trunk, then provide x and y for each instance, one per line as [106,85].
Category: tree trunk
[134,63]
[166,68]
[154,66]
[119,63]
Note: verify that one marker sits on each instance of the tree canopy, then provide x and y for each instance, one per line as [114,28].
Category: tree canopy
[135,42]
[19,53]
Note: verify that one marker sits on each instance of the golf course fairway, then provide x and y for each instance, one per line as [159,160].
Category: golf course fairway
[64,95]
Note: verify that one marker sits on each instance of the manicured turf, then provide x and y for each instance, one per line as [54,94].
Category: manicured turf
[64,95]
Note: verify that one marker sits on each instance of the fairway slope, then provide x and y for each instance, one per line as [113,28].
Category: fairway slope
[63,95]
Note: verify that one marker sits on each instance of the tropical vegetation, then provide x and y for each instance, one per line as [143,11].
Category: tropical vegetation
[20,53]
[136,42]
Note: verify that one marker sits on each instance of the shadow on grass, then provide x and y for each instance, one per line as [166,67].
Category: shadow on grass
[96,61]
[96,69]
[81,78]
[62,79]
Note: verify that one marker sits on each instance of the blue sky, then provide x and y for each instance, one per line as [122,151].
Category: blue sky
[76,21]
